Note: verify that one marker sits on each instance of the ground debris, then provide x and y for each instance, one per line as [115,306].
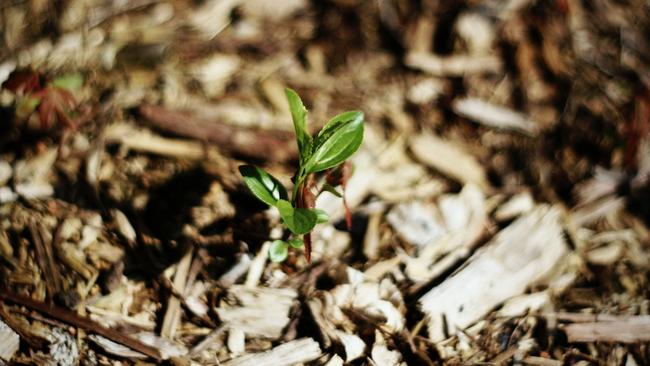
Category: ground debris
[499,201]
[290,353]
[9,342]
[492,275]
[251,306]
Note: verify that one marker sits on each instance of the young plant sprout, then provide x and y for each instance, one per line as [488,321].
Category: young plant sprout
[326,152]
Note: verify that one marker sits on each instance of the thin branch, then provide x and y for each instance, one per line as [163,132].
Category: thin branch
[72,318]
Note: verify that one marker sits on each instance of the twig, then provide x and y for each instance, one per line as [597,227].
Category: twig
[267,145]
[75,320]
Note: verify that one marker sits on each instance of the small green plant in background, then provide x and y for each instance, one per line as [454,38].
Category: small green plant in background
[53,99]
[325,152]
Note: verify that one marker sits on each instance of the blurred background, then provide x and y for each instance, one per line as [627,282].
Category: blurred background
[122,124]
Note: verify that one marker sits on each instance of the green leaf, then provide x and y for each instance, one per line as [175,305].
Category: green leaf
[336,122]
[299,116]
[26,106]
[337,141]
[296,243]
[321,216]
[69,82]
[278,251]
[298,220]
[331,189]
[263,185]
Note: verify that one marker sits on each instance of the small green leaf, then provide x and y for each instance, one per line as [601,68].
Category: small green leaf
[69,82]
[336,122]
[298,220]
[321,216]
[278,251]
[337,141]
[263,185]
[296,243]
[299,116]
[26,106]
[331,189]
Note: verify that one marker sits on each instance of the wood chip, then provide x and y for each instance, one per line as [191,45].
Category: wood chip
[606,254]
[494,274]
[256,267]
[521,305]
[517,205]
[383,356]
[173,313]
[416,222]
[9,342]
[124,227]
[449,159]
[495,116]
[353,344]
[456,65]
[5,172]
[336,360]
[212,340]
[236,341]
[541,361]
[252,309]
[465,220]
[167,348]
[238,270]
[214,72]
[287,354]
[628,330]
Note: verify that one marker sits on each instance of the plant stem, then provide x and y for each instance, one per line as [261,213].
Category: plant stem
[300,178]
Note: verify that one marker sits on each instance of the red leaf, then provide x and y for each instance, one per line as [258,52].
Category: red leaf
[22,82]
[46,111]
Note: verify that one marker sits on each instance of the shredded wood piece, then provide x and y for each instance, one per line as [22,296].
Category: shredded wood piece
[211,340]
[494,273]
[287,354]
[627,330]
[336,360]
[449,158]
[353,344]
[9,342]
[173,313]
[252,309]
[456,65]
[256,267]
[494,116]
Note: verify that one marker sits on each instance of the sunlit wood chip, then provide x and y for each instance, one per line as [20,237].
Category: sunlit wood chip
[287,354]
[518,256]
[353,344]
[9,342]
[495,116]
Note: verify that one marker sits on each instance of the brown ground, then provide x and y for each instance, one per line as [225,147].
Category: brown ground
[122,201]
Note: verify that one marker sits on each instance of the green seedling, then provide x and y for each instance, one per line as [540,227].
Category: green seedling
[321,156]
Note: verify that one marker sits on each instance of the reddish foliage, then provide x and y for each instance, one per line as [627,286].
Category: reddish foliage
[54,103]
[23,82]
